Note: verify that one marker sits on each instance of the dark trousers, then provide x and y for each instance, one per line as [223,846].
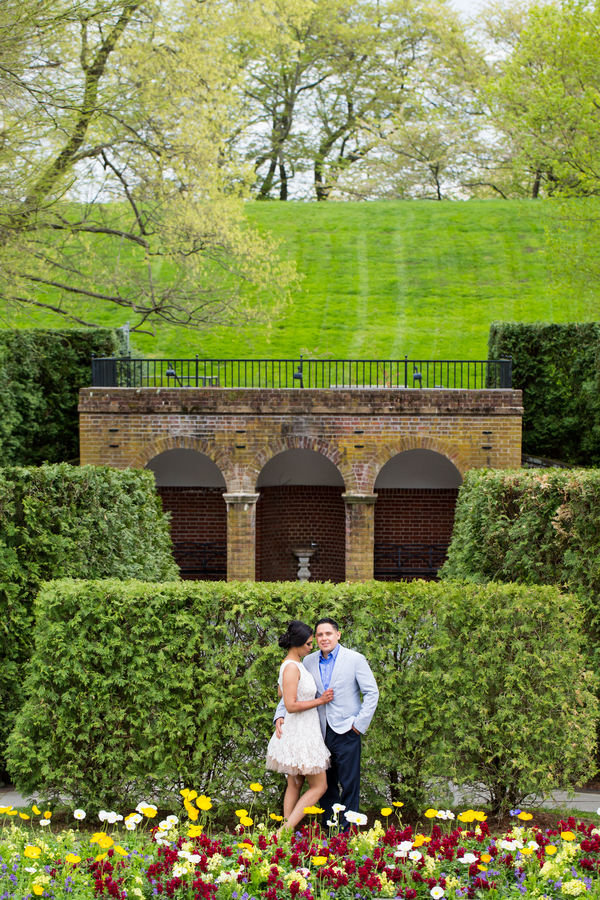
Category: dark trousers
[343,776]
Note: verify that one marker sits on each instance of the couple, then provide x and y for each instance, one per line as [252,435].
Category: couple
[320,719]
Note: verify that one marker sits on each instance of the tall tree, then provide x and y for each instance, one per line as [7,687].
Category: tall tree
[117,184]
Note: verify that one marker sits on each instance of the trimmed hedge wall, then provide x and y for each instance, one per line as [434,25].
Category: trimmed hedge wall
[532,527]
[41,372]
[61,520]
[557,368]
[136,689]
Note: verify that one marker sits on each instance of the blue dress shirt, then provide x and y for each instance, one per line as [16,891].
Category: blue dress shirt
[326,666]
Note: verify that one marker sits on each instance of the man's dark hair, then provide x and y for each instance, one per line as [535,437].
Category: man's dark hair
[327,622]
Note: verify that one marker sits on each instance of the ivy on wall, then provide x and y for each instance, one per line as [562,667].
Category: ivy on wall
[41,372]
[557,368]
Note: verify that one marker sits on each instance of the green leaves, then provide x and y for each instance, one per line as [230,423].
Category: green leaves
[138,688]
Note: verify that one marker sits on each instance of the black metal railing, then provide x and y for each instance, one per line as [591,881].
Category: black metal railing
[201,560]
[302,373]
[394,561]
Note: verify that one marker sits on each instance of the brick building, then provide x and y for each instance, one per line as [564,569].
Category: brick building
[366,478]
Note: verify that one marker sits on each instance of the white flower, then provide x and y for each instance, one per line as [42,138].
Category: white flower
[440,815]
[467,859]
[164,825]
[337,807]
[351,816]
[403,849]
[361,819]
[449,814]
[195,858]
[44,822]
[172,819]
[533,846]
[304,872]
[30,869]
[144,805]
[184,854]
[79,814]
[598,811]
[130,825]
[102,815]
[134,817]
[331,824]
[508,845]
[161,837]
[414,855]
[179,871]
[437,892]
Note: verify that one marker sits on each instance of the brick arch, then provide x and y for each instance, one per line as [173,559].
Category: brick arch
[293,442]
[183,442]
[412,442]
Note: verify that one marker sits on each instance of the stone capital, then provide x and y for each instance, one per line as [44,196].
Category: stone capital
[367,499]
[238,499]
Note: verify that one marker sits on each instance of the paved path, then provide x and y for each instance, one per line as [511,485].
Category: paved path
[588,801]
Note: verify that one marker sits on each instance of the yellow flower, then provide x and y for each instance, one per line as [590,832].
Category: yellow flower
[240,813]
[397,803]
[191,810]
[246,846]
[247,821]
[468,816]
[550,849]
[276,818]
[97,837]
[485,857]
[121,850]
[386,811]
[419,840]
[256,787]
[431,813]
[319,860]
[148,812]
[567,835]
[105,842]
[38,890]
[12,812]
[524,816]
[527,851]
[24,816]
[203,803]
[72,858]
[47,814]
[313,810]
[35,810]
[101,857]
[194,831]
[4,809]
[482,868]
[31,852]
[479,816]
[184,793]
[192,795]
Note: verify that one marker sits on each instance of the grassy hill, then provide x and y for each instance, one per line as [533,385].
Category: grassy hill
[387,279]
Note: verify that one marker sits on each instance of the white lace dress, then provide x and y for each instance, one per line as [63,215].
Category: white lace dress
[301,750]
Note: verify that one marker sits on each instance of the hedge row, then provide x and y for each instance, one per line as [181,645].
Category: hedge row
[557,368]
[61,520]
[532,527]
[136,689]
[41,372]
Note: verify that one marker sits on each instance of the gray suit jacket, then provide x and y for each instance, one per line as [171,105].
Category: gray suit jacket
[351,677]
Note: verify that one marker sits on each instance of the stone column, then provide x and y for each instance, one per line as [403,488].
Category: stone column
[360,531]
[241,536]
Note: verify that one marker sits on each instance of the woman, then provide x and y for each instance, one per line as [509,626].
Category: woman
[301,752]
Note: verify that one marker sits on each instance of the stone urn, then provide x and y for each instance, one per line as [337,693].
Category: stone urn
[304,555]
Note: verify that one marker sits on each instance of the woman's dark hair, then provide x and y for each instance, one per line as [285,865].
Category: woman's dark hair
[296,635]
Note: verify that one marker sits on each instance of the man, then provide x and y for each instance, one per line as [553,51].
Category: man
[345,718]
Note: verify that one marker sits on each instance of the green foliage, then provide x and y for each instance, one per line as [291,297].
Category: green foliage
[535,528]
[137,688]
[41,372]
[556,367]
[60,521]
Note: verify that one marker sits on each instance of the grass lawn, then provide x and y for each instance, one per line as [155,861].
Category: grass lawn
[386,279]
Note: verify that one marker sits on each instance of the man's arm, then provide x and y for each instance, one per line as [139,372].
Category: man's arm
[369,690]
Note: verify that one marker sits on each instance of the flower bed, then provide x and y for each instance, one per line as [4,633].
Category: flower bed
[131,857]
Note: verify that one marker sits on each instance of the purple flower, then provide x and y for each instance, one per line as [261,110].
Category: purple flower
[514,812]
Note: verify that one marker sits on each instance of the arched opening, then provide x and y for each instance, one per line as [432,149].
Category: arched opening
[191,488]
[414,514]
[300,504]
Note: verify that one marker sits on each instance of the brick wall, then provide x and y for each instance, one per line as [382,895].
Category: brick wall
[197,513]
[414,515]
[295,515]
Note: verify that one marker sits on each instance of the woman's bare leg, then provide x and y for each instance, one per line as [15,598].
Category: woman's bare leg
[292,794]
[317,785]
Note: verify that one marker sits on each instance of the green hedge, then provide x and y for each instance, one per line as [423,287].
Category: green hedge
[59,521]
[136,689]
[556,367]
[532,527]
[41,372]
